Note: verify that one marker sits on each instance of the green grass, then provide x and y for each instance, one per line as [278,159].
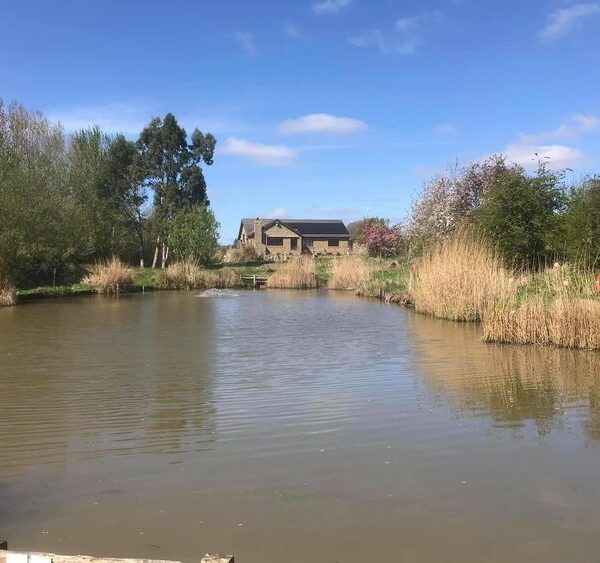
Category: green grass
[145,277]
[393,281]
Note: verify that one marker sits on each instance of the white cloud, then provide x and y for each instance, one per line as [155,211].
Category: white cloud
[321,123]
[528,149]
[269,155]
[556,156]
[405,38]
[246,42]
[329,6]
[561,22]
[572,128]
[445,129]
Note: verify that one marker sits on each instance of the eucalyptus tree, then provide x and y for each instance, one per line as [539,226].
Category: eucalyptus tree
[172,171]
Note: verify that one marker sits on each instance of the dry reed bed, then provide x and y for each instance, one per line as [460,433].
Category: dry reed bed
[350,273]
[464,280]
[459,279]
[188,274]
[558,307]
[297,273]
[108,277]
[8,295]
[567,322]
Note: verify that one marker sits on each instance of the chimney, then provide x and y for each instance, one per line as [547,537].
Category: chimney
[258,237]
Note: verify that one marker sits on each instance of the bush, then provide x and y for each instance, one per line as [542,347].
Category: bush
[581,224]
[242,255]
[193,234]
[108,277]
[520,215]
[297,273]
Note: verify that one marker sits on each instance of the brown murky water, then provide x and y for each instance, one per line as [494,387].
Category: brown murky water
[292,427]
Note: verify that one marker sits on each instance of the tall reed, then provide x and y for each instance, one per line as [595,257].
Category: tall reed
[297,273]
[350,272]
[188,274]
[459,279]
[8,295]
[109,276]
[558,306]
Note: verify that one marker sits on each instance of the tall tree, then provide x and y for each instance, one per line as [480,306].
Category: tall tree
[172,171]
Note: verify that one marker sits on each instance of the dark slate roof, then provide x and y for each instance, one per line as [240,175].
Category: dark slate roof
[304,227]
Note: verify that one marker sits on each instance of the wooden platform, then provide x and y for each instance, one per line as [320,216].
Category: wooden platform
[255,281]
[32,557]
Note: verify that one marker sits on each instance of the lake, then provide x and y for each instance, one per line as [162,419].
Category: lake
[292,427]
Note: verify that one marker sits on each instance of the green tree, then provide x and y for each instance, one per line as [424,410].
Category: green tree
[171,169]
[520,214]
[37,211]
[581,224]
[194,233]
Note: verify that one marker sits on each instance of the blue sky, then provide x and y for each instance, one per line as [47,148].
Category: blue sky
[321,108]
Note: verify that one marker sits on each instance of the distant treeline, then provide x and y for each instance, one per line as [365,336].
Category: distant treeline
[71,200]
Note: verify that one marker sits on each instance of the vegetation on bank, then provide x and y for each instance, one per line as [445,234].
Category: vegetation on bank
[68,201]
[480,242]
[298,273]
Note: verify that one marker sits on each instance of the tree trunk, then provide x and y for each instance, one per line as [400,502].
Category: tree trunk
[155,259]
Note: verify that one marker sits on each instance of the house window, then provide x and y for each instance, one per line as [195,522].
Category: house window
[333,242]
[309,242]
[275,241]
[294,244]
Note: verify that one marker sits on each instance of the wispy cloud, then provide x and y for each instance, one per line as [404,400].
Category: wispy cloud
[277,213]
[246,42]
[321,123]
[111,118]
[572,128]
[563,21]
[528,149]
[290,30]
[556,156]
[130,119]
[268,155]
[405,38]
[445,129]
[329,6]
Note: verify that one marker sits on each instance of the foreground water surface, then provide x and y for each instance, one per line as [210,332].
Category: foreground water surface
[291,426]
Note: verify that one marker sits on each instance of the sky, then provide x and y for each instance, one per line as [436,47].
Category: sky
[334,109]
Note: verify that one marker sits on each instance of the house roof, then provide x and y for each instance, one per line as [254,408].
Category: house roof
[304,227]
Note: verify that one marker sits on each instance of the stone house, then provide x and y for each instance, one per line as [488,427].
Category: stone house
[288,237]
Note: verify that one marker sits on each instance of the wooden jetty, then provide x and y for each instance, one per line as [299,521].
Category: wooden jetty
[33,557]
[255,281]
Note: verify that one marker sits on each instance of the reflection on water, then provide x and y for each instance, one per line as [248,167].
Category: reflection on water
[291,426]
[104,377]
[514,385]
